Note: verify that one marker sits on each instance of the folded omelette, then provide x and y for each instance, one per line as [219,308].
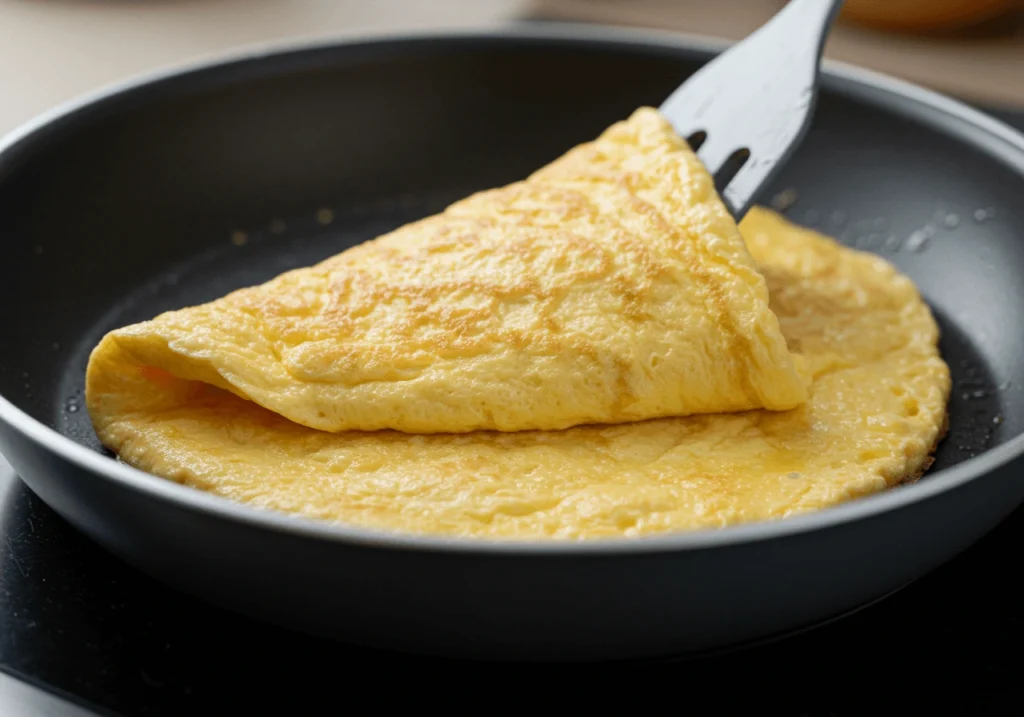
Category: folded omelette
[595,351]
[610,286]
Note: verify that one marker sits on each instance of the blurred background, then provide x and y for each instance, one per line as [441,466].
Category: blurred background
[52,50]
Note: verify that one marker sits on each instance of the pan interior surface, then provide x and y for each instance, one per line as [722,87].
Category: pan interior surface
[178,192]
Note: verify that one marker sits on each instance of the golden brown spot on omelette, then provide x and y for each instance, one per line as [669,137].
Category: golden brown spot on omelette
[154,374]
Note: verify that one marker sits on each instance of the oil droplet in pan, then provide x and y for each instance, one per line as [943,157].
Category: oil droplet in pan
[919,238]
[784,200]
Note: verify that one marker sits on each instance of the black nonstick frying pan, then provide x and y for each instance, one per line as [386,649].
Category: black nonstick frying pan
[175,190]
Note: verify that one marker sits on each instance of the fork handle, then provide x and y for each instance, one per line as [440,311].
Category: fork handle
[803,20]
[745,111]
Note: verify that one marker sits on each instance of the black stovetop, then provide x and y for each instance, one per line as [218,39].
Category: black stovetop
[76,621]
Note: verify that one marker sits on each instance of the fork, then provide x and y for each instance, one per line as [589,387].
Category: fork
[745,112]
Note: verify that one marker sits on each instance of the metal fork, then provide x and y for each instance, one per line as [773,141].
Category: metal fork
[745,112]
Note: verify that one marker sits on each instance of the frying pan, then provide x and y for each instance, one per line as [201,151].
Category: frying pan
[178,188]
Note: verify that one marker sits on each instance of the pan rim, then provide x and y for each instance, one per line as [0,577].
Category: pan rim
[891,94]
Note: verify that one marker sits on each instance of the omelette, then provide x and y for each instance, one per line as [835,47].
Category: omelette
[726,413]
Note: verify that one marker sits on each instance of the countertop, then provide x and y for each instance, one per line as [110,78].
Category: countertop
[53,50]
[982,64]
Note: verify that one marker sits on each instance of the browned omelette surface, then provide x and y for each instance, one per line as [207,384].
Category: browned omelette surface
[610,286]
[876,408]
